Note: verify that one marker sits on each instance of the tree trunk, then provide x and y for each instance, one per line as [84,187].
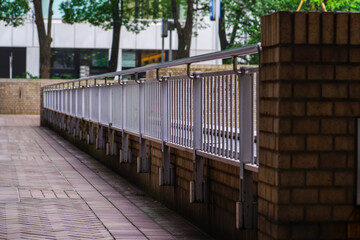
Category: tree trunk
[184,33]
[222,32]
[44,37]
[117,18]
[45,59]
[115,48]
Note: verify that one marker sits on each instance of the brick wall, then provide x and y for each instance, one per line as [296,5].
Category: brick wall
[22,96]
[309,102]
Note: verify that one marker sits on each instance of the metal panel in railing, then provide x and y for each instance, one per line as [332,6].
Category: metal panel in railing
[63,101]
[228,111]
[68,101]
[45,99]
[94,96]
[221,115]
[79,102]
[152,103]
[117,106]
[73,101]
[87,103]
[65,93]
[105,104]
[131,110]
[181,111]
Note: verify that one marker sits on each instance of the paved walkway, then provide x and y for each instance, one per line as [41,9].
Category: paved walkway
[51,190]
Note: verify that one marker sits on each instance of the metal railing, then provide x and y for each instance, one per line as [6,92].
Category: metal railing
[212,113]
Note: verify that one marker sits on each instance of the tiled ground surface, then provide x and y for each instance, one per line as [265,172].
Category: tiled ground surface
[51,190]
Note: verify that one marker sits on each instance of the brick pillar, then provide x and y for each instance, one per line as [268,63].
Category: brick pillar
[309,102]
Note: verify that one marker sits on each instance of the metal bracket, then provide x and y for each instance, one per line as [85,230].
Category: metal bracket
[143,162]
[137,78]
[191,76]
[246,209]
[91,133]
[125,153]
[100,137]
[235,68]
[157,75]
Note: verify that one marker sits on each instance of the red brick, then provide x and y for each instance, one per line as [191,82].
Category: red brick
[344,143]
[291,213]
[319,108]
[342,28]
[300,231]
[347,109]
[300,28]
[306,54]
[319,143]
[285,27]
[318,213]
[292,178]
[344,178]
[354,55]
[306,126]
[304,160]
[342,213]
[333,231]
[334,126]
[332,196]
[291,143]
[354,90]
[334,90]
[283,54]
[313,27]
[291,108]
[354,28]
[307,90]
[332,160]
[320,72]
[335,54]
[291,72]
[328,21]
[346,72]
[304,195]
[318,178]
[284,196]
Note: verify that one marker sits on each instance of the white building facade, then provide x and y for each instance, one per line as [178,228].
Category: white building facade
[83,44]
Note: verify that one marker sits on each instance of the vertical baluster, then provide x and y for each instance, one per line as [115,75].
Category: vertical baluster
[231,117]
[227,116]
[236,117]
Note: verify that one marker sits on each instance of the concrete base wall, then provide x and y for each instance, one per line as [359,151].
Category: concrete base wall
[217,217]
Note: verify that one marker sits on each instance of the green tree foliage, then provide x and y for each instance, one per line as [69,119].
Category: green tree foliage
[240,22]
[113,14]
[12,12]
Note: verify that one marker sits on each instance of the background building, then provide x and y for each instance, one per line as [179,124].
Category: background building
[85,45]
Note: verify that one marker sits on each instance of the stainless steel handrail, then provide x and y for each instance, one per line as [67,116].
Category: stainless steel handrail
[231,53]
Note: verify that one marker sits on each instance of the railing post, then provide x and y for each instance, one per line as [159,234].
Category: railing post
[111,146]
[90,137]
[76,132]
[165,172]
[99,137]
[197,186]
[245,208]
[125,154]
[143,163]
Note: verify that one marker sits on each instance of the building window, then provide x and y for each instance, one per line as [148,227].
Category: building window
[139,58]
[18,62]
[65,63]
